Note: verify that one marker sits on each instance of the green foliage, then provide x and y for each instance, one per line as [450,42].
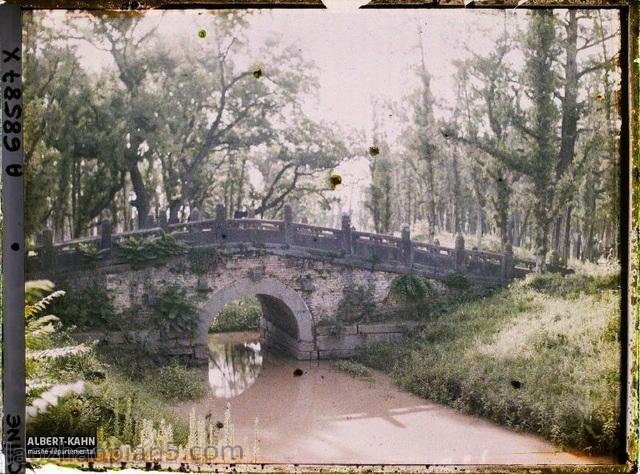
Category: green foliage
[242,315]
[73,416]
[411,288]
[173,314]
[413,297]
[571,286]
[115,408]
[138,251]
[38,326]
[175,383]
[357,304]
[203,259]
[52,362]
[88,307]
[457,281]
[535,360]
[353,368]
[89,251]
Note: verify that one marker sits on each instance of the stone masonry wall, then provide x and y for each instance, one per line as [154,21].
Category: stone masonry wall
[319,284]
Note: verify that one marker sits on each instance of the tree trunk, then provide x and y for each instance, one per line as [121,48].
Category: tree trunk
[141,202]
[567,235]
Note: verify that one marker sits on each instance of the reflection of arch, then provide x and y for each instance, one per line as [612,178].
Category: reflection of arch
[281,306]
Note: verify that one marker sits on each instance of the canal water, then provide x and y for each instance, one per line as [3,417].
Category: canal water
[284,410]
[235,361]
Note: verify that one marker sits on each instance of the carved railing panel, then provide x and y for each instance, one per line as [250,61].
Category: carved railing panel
[369,248]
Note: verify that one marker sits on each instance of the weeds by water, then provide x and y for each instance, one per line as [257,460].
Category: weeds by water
[175,382]
[353,368]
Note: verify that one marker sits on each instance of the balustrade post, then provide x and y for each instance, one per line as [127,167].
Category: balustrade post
[347,234]
[287,223]
[406,246]
[220,222]
[162,220]
[194,217]
[46,251]
[507,264]
[541,265]
[460,253]
[105,236]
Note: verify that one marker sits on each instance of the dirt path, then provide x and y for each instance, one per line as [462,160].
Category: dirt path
[326,416]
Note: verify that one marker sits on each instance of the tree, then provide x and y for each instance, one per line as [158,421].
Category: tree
[423,143]
[379,192]
[487,104]
[60,165]
[296,165]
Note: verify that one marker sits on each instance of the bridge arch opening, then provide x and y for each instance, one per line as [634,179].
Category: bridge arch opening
[286,320]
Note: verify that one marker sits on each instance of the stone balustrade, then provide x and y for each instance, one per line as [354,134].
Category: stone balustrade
[400,254]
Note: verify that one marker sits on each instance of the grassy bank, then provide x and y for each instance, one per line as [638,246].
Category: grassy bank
[541,356]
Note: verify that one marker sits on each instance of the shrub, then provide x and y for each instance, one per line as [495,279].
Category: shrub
[413,296]
[410,288]
[173,314]
[87,307]
[89,251]
[115,409]
[242,315]
[177,383]
[73,416]
[457,281]
[138,251]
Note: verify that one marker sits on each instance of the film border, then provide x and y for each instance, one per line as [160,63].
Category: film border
[13,209]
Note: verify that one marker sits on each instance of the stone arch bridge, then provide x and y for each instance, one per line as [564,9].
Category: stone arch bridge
[298,272]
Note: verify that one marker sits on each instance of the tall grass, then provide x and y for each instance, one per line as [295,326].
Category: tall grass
[541,356]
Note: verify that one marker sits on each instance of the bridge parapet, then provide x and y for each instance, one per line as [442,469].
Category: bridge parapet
[405,254]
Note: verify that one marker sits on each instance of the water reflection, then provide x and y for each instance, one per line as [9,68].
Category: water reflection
[235,360]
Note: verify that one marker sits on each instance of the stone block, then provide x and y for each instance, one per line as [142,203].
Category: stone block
[389,327]
[329,330]
[188,351]
[256,273]
[343,342]
[201,351]
[307,284]
[202,285]
[182,342]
